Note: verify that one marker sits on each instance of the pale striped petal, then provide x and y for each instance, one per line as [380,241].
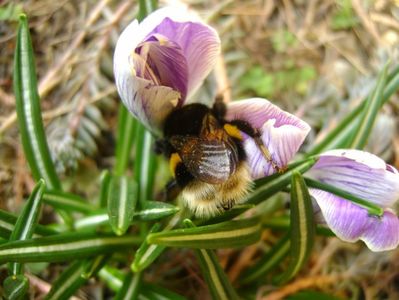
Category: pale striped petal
[163,60]
[352,223]
[360,173]
[281,132]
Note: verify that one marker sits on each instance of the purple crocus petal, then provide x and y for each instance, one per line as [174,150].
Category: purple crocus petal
[281,132]
[159,61]
[165,64]
[199,42]
[147,102]
[141,96]
[351,222]
[359,173]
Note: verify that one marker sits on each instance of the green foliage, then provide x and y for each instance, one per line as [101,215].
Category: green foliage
[27,221]
[258,81]
[301,227]
[264,84]
[147,253]
[344,18]
[122,199]
[218,282]
[267,262]
[343,133]
[10,12]
[283,39]
[311,295]
[29,111]
[15,287]
[102,237]
[370,112]
[229,234]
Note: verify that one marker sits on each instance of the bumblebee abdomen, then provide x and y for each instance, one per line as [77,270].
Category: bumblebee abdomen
[207,159]
[207,200]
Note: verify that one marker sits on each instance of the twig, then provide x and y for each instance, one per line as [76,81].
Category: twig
[52,77]
[305,283]
[6,98]
[244,260]
[223,84]
[289,15]
[59,111]
[385,20]
[367,23]
[118,14]
[48,115]
[43,286]
[350,57]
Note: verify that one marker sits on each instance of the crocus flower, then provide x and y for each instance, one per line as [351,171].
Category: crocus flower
[161,62]
[158,65]
[366,176]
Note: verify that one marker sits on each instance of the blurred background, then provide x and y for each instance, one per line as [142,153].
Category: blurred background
[316,59]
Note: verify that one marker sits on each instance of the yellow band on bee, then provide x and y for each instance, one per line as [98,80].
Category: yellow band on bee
[173,161]
[232,131]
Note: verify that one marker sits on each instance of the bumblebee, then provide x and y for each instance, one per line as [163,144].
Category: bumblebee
[207,158]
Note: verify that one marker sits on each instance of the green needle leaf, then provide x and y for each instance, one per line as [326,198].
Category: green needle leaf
[302,227]
[112,277]
[92,266]
[28,110]
[146,7]
[237,233]
[145,161]
[370,112]
[217,281]
[68,282]
[226,216]
[104,188]
[93,221]
[67,201]
[122,199]
[147,254]
[343,132]
[125,139]
[283,223]
[15,287]
[27,221]
[64,247]
[76,275]
[7,223]
[267,262]
[311,295]
[29,216]
[130,287]
[151,291]
[73,277]
[114,280]
[154,210]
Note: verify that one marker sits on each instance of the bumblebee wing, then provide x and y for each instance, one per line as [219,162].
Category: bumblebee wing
[207,160]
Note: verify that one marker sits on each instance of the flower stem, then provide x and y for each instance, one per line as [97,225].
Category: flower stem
[371,208]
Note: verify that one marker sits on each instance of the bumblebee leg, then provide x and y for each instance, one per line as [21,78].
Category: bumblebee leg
[256,135]
[172,190]
[162,146]
[219,110]
[227,205]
